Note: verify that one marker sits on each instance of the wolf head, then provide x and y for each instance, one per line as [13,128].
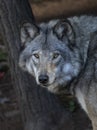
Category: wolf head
[50,53]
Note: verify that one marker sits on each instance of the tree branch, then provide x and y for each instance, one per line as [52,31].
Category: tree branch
[59,9]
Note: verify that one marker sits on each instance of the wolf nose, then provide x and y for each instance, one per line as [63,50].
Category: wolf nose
[43,79]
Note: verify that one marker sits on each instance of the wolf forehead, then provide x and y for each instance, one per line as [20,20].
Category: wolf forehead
[48,25]
[54,33]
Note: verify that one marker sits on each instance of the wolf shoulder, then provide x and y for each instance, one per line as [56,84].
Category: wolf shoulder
[87,23]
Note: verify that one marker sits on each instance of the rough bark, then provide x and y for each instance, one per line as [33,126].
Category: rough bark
[40,109]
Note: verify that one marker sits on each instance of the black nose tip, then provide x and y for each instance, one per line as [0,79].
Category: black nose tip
[43,79]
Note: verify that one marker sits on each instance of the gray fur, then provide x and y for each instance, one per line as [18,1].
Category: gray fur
[85,87]
[56,55]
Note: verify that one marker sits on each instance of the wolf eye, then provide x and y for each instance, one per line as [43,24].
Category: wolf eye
[55,55]
[36,56]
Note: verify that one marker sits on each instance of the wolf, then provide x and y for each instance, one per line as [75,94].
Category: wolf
[56,54]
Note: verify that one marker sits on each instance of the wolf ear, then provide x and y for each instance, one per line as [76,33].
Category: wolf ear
[28,31]
[62,29]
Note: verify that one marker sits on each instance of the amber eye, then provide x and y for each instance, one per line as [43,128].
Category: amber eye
[36,55]
[55,55]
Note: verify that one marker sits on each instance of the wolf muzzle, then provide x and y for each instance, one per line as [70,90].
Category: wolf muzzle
[43,79]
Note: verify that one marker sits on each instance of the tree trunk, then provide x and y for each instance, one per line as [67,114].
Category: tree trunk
[40,109]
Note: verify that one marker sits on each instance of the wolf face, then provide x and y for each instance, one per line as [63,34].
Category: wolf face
[50,53]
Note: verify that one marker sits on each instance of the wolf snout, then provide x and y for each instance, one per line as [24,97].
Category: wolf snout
[43,79]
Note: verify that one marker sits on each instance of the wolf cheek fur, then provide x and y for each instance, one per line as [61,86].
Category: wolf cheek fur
[50,53]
